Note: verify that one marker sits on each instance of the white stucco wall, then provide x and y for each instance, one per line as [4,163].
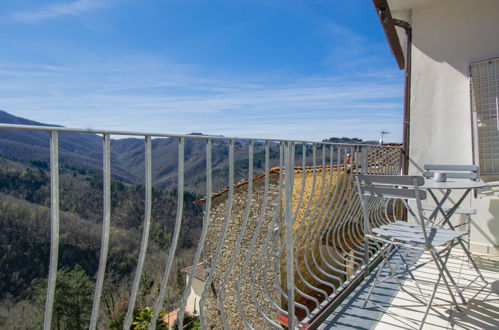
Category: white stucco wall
[197,288]
[447,36]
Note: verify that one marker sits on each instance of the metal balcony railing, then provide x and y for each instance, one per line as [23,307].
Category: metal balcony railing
[286,241]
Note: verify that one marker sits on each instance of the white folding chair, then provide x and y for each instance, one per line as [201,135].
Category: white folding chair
[438,242]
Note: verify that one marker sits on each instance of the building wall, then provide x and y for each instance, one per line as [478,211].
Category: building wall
[260,262]
[448,35]
[309,224]
[321,197]
[197,288]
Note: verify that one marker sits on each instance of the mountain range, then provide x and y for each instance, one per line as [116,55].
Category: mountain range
[84,151]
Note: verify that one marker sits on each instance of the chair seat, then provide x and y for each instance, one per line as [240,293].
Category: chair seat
[459,210]
[413,233]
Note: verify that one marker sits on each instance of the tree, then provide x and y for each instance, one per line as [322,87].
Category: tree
[143,319]
[73,298]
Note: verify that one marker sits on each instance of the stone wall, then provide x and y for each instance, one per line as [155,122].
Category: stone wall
[257,285]
[328,198]
[315,209]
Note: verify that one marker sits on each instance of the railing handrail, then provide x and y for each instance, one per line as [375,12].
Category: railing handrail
[168,135]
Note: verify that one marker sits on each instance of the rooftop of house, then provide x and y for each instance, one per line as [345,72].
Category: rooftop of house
[200,272]
[170,318]
[273,170]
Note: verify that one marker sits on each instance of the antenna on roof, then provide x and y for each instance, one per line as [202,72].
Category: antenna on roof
[383,133]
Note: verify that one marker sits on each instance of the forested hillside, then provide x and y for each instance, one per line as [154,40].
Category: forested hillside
[25,237]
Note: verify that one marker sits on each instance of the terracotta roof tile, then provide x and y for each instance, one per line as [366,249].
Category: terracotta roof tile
[298,169]
[200,272]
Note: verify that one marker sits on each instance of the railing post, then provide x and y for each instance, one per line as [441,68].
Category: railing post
[288,218]
[364,159]
[106,223]
[145,232]
[54,228]
[174,240]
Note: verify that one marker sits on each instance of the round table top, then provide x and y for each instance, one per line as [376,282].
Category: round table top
[453,184]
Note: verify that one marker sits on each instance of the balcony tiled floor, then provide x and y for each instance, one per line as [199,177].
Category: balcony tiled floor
[404,308]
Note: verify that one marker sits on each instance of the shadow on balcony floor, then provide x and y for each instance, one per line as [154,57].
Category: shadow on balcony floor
[391,307]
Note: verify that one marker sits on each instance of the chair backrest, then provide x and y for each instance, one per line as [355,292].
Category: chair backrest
[391,186]
[402,187]
[452,171]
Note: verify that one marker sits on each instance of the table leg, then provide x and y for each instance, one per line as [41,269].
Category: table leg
[447,220]
[440,204]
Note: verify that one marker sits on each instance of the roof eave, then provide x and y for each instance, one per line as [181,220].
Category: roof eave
[390,31]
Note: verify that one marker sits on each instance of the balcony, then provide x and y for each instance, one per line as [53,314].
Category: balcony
[395,308]
[281,235]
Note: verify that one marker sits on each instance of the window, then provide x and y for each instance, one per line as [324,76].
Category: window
[485,107]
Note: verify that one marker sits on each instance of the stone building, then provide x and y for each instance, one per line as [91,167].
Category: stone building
[197,287]
[248,281]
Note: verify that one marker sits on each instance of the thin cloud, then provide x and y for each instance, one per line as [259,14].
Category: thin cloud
[60,9]
[143,98]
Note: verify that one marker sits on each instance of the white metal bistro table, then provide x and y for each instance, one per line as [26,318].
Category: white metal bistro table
[466,186]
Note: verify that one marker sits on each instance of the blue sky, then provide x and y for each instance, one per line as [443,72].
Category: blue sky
[306,69]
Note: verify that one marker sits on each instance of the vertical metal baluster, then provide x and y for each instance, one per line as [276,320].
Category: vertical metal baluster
[297,289]
[313,220]
[365,161]
[357,246]
[393,163]
[334,214]
[344,203]
[288,216]
[387,160]
[145,234]
[277,258]
[173,246]
[242,232]
[206,223]
[274,232]
[54,228]
[106,223]
[301,224]
[255,234]
[228,212]
[322,220]
[354,210]
[378,163]
[265,263]
[396,159]
[330,213]
[305,225]
[278,231]
[303,178]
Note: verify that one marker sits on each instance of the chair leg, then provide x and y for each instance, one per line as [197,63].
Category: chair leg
[428,305]
[442,269]
[470,258]
[392,270]
[385,260]
[468,254]
[411,274]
